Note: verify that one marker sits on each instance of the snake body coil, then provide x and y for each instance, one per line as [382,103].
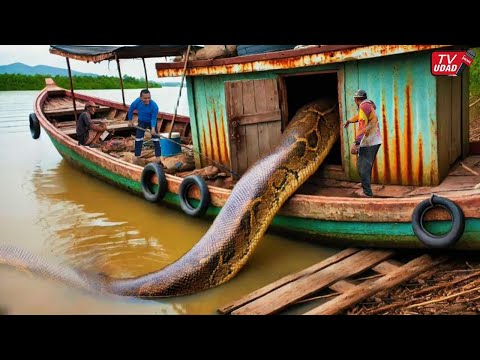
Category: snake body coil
[237,229]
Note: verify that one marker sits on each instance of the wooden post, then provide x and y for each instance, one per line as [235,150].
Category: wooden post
[71,89]
[146,76]
[121,79]
[180,93]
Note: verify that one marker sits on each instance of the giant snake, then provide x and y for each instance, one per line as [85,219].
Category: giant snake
[237,229]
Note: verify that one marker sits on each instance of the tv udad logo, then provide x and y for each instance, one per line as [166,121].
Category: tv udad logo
[451,63]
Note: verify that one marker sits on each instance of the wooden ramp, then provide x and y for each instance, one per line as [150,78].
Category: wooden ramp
[334,282]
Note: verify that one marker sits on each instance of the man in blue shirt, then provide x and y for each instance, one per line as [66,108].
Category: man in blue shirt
[147,111]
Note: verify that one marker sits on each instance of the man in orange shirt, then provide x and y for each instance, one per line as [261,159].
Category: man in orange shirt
[368,139]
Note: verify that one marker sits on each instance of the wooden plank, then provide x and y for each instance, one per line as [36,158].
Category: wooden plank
[342,286]
[287,279]
[273,131]
[250,142]
[456,142]
[254,118]
[72,131]
[262,106]
[365,290]
[263,117]
[306,286]
[121,115]
[241,150]
[386,267]
[465,114]
[69,110]
[283,101]
[232,92]
[111,114]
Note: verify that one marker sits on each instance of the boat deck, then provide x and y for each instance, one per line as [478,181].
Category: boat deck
[464,176]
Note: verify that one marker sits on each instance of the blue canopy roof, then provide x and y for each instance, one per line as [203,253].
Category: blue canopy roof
[100,53]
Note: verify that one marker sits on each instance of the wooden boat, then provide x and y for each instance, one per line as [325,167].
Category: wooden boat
[325,209]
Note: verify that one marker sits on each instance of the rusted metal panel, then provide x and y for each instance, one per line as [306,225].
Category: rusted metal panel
[404,91]
[208,115]
[286,60]
[210,120]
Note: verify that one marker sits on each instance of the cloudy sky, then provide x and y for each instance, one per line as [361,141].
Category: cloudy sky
[39,55]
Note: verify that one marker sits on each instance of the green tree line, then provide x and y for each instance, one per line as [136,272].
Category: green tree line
[37,82]
[475,74]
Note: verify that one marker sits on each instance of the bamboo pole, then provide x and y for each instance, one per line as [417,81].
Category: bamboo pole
[180,92]
[476,101]
[71,89]
[146,76]
[121,79]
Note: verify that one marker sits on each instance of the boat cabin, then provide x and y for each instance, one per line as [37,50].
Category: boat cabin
[240,105]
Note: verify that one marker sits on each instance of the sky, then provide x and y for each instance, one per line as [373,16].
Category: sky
[39,55]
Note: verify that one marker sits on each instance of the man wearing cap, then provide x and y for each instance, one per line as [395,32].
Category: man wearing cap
[368,139]
[147,111]
[88,130]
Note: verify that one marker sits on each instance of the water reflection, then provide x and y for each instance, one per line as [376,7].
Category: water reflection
[95,226]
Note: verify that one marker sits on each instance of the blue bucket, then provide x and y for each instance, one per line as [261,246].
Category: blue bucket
[170,147]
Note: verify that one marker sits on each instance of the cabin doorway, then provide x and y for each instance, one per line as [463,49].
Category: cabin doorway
[298,90]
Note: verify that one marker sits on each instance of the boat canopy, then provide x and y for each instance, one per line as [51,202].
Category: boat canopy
[104,52]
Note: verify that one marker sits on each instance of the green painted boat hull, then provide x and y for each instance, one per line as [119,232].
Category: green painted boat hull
[330,233]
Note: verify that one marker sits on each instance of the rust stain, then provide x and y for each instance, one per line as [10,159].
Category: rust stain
[386,154]
[398,178]
[408,140]
[224,142]
[432,175]
[420,162]
[203,149]
[211,154]
[217,138]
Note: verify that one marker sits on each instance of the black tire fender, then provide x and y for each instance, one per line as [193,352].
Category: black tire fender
[183,190]
[429,239]
[34,125]
[149,170]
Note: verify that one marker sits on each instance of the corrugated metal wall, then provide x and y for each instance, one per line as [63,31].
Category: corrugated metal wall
[404,91]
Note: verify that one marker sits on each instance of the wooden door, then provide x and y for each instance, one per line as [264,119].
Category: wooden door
[254,120]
